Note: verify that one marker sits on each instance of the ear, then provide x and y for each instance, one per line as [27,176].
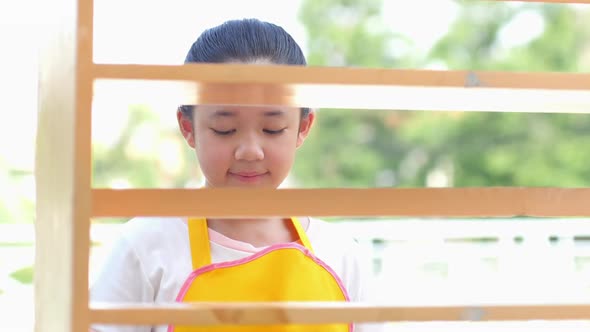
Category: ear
[186,128]
[305,128]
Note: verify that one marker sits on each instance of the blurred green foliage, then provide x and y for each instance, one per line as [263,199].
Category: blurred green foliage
[24,275]
[405,149]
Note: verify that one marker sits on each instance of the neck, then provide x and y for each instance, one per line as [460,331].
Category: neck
[257,232]
[260,232]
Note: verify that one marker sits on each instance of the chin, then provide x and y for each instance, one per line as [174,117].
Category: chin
[252,185]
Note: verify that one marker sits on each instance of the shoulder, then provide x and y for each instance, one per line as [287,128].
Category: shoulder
[142,229]
[138,263]
[142,237]
[140,249]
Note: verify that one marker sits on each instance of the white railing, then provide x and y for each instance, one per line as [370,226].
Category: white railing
[518,259]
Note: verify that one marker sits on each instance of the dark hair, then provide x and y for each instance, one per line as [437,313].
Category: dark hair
[245,40]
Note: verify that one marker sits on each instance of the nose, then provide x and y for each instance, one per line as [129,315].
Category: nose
[249,150]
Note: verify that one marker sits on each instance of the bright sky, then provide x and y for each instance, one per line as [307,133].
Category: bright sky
[164,30]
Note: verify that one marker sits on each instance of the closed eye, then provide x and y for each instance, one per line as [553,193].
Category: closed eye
[223,132]
[274,132]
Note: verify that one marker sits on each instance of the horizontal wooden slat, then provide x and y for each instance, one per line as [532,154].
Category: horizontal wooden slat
[317,313]
[353,88]
[297,75]
[551,1]
[425,202]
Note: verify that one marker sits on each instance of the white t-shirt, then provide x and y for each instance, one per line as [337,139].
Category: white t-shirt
[151,261]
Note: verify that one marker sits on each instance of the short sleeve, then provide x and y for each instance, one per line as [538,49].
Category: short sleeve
[121,279]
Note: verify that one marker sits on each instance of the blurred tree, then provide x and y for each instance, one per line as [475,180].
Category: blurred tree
[361,148]
[348,147]
[524,149]
[141,156]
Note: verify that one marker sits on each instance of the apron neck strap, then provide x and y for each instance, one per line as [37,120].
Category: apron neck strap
[198,233]
[301,235]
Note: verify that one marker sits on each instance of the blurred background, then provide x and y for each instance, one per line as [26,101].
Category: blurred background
[137,145]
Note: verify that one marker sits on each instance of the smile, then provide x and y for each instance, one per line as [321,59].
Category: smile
[248,177]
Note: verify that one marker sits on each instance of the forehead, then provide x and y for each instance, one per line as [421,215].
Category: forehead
[244,112]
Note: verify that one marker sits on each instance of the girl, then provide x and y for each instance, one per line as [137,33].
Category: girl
[195,259]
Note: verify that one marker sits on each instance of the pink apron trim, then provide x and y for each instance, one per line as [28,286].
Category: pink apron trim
[185,287]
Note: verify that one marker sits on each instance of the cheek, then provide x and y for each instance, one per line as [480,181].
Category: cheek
[212,154]
[282,152]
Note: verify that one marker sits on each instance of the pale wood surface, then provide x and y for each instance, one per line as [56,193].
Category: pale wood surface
[55,183]
[283,313]
[441,202]
[63,169]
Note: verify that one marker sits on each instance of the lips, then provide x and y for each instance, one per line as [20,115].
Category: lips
[248,176]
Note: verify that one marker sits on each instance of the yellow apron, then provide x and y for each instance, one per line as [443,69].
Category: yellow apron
[284,272]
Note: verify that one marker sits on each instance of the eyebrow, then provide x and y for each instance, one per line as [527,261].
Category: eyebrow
[224,113]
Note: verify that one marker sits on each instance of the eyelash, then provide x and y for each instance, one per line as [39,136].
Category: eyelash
[223,133]
[229,132]
[274,132]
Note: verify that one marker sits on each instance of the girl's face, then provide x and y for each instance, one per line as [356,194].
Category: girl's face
[245,146]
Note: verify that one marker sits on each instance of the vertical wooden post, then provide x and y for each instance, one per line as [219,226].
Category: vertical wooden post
[63,168]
